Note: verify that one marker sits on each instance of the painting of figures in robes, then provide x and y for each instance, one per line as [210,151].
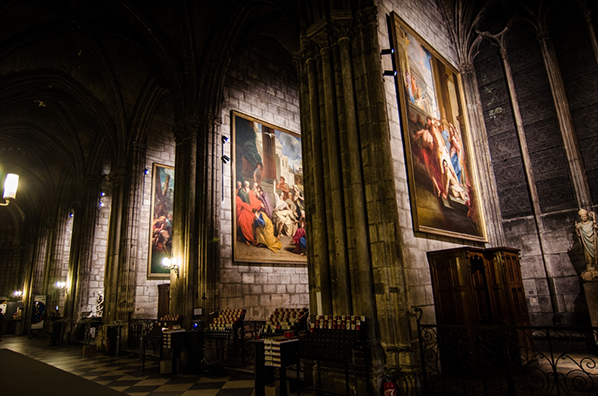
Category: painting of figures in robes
[442,184]
[268,194]
[161,220]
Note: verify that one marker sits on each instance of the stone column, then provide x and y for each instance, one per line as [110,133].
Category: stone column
[591,31]
[84,217]
[479,137]
[129,250]
[55,266]
[333,171]
[315,198]
[561,104]
[529,176]
[205,279]
[184,238]
[353,202]
[115,232]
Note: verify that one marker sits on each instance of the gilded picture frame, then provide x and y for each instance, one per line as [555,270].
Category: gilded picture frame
[443,186]
[267,193]
[160,238]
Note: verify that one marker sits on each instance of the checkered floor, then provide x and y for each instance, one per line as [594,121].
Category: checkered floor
[125,374]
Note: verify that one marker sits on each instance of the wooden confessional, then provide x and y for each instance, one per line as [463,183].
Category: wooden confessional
[474,287]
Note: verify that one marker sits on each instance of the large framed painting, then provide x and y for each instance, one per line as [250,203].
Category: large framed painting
[268,193]
[442,183]
[161,220]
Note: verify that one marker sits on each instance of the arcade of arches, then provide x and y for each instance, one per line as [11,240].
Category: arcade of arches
[94,95]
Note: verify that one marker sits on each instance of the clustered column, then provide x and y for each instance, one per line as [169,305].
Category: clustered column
[355,257]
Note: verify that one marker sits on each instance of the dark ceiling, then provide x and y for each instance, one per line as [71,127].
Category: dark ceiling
[74,75]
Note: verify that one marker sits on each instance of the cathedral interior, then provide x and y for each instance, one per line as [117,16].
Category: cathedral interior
[341,156]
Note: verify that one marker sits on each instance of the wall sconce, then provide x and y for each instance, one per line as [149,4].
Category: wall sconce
[17,293]
[225,159]
[171,264]
[146,171]
[60,285]
[224,139]
[11,183]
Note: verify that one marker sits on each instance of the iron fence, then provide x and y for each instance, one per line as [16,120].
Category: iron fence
[508,360]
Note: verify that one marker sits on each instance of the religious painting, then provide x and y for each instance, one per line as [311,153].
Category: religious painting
[442,182]
[268,193]
[161,220]
[38,314]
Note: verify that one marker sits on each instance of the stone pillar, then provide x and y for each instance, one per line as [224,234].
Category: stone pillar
[184,238]
[479,137]
[115,233]
[529,176]
[353,198]
[590,287]
[84,217]
[315,199]
[209,201]
[561,104]
[591,31]
[55,264]
[129,250]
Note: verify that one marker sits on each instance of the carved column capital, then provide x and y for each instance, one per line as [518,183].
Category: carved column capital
[466,68]
[212,119]
[368,16]
[342,28]
[322,39]
[117,175]
[185,129]
[309,49]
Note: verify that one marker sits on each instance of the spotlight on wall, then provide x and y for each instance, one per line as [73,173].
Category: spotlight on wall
[224,139]
[71,214]
[171,264]
[146,171]
[225,159]
[391,73]
[387,51]
[60,285]
[11,183]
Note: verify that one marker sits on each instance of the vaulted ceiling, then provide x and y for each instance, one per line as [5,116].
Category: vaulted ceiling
[77,78]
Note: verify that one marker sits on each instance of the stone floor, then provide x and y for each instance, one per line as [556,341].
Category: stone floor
[125,373]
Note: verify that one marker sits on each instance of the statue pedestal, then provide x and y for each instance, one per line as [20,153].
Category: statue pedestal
[590,288]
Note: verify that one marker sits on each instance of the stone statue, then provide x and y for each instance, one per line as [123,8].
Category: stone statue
[587,231]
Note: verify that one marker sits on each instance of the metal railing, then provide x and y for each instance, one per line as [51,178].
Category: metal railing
[508,360]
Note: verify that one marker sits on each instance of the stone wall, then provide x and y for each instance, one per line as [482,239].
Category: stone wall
[261,83]
[555,260]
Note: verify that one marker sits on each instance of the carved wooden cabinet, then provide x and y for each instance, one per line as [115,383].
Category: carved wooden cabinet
[475,286]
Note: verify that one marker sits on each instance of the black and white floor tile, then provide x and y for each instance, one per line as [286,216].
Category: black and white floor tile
[125,374]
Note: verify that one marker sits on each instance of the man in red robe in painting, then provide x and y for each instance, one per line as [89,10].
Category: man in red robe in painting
[245,217]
